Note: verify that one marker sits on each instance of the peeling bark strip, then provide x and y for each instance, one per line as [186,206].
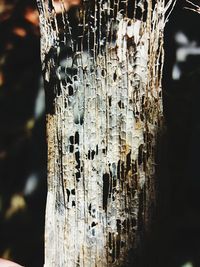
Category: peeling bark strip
[102,65]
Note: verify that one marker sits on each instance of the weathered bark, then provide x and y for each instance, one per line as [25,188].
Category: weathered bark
[102,66]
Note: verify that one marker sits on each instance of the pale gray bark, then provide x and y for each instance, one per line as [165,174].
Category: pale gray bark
[104,113]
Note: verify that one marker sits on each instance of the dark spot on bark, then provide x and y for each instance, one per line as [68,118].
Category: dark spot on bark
[89,208]
[71,148]
[110,100]
[81,119]
[73,191]
[137,115]
[114,76]
[77,138]
[128,162]
[130,42]
[122,171]
[73,203]
[78,261]
[97,151]
[78,176]
[104,150]
[50,98]
[114,183]
[130,9]
[68,194]
[118,169]
[105,190]
[92,154]
[103,73]
[69,80]
[93,224]
[70,90]
[141,117]
[71,139]
[77,157]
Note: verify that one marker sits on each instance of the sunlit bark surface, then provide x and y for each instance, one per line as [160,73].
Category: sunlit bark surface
[102,66]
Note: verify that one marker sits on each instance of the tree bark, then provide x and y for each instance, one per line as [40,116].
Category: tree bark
[102,66]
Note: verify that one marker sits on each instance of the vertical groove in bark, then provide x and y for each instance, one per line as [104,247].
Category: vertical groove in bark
[102,65]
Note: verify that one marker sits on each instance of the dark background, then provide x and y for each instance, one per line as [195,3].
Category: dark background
[22,135]
[175,238]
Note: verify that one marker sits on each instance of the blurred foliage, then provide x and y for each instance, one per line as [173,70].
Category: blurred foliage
[22,135]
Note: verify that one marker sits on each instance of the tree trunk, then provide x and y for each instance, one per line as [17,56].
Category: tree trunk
[102,65]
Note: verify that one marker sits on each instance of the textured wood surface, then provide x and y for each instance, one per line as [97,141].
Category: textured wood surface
[102,66]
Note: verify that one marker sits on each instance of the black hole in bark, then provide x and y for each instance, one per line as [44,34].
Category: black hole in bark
[71,139]
[71,148]
[110,101]
[71,90]
[68,194]
[89,208]
[81,119]
[118,169]
[73,191]
[92,154]
[122,171]
[93,224]
[77,157]
[114,76]
[105,190]
[77,138]
[78,176]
